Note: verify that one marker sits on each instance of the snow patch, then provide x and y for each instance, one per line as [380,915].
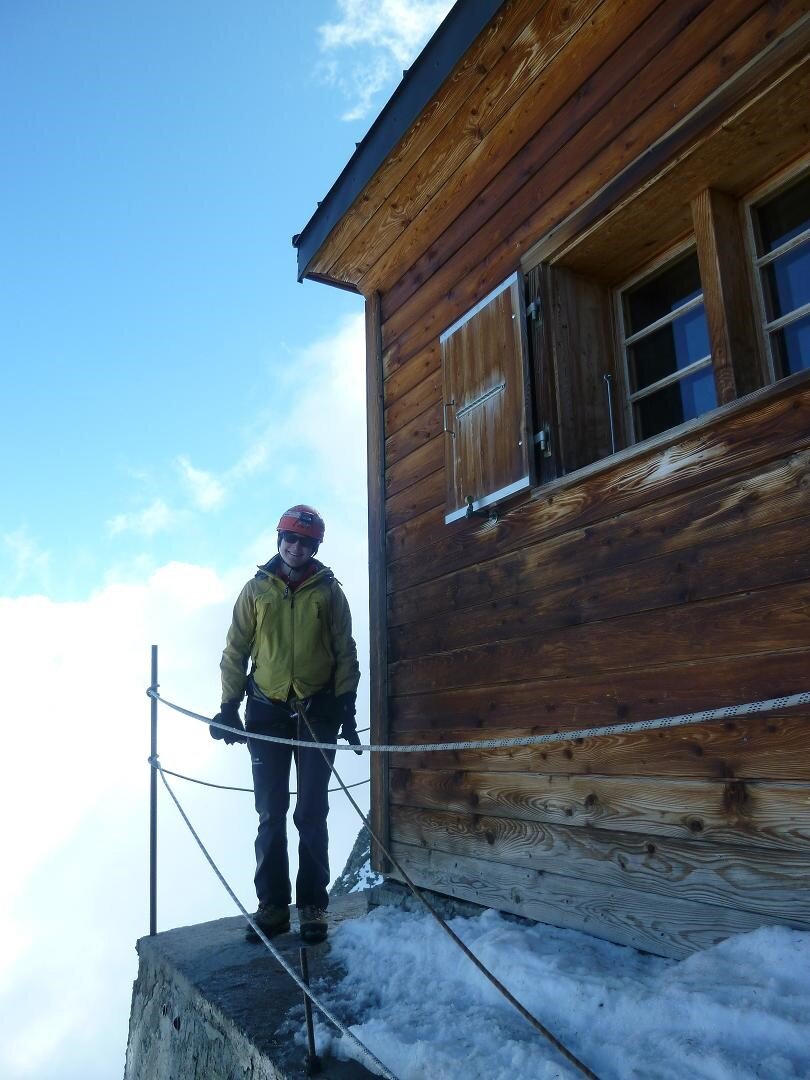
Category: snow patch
[737,1011]
[366,878]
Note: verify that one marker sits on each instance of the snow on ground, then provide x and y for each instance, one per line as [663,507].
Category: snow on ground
[738,1011]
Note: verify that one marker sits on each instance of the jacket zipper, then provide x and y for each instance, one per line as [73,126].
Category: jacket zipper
[292,640]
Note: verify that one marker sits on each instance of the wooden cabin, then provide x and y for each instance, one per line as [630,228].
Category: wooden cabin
[582,230]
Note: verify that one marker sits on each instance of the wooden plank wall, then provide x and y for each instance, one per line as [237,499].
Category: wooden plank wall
[676,581]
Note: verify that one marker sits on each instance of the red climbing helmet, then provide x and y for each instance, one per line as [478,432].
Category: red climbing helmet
[304,520]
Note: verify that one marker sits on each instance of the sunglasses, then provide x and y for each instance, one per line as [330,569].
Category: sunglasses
[296,538]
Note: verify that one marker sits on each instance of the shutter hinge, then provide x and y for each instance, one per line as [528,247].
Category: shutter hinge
[543,439]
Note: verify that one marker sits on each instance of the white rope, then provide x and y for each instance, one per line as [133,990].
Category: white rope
[726,713]
[384,1071]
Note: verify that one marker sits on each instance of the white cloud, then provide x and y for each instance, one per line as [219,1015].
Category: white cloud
[313,437]
[385,37]
[155,518]
[29,562]
[206,491]
[74,888]
[317,438]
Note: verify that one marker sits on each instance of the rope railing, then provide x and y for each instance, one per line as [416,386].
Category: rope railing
[370,1056]
[229,787]
[726,712]
[299,708]
[505,992]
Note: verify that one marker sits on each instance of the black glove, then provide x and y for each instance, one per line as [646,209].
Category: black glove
[346,705]
[228,714]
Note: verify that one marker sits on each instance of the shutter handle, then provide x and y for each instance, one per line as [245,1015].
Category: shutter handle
[445,406]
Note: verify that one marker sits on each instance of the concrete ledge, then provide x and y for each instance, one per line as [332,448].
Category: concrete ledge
[208,1005]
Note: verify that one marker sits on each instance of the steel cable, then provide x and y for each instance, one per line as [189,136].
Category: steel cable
[496,982]
[227,787]
[727,712]
[385,1071]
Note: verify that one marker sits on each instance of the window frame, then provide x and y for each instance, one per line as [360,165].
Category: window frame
[623,340]
[771,187]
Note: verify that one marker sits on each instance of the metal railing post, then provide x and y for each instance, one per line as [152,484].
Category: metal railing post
[153,804]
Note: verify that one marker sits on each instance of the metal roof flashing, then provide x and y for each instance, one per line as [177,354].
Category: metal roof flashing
[462,25]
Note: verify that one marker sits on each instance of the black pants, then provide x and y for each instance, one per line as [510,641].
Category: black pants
[271,782]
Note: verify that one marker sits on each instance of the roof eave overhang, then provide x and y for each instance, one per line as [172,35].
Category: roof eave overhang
[461,27]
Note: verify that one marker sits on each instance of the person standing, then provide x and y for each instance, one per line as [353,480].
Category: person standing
[292,623]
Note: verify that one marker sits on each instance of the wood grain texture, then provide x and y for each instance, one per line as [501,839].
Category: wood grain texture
[427,392]
[604,149]
[762,77]
[468,74]
[582,341]
[727,294]
[378,658]
[656,214]
[483,366]
[402,372]
[465,135]
[673,578]
[417,466]
[665,926]
[413,435]
[745,624]
[416,499]
[774,746]
[750,814]
[750,879]
[540,706]
[749,436]
[593,68]
[740,560]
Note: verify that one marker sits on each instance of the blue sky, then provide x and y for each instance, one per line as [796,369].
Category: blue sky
[161,157]
[168,389]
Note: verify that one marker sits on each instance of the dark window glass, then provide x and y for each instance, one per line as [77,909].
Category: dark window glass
[784,216]
[674,404]
[787,281]
[786,278]
[668,349]
[791,346]
[656,298]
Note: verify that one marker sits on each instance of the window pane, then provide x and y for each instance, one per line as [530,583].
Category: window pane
[791,347]
[683,400]
[787,282]
[784,216]
[666,291]
[669,349]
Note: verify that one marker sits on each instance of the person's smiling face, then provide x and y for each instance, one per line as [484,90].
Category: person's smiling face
[296,550]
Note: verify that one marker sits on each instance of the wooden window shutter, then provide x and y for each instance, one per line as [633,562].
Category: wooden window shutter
[488,451]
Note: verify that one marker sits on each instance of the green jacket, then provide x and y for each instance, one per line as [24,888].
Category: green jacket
[299,642]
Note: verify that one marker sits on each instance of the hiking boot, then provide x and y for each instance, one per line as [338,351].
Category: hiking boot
[271,920]
[313,925]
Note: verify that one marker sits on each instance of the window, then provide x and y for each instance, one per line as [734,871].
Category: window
[666,341]
[781,225]
[487,447]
